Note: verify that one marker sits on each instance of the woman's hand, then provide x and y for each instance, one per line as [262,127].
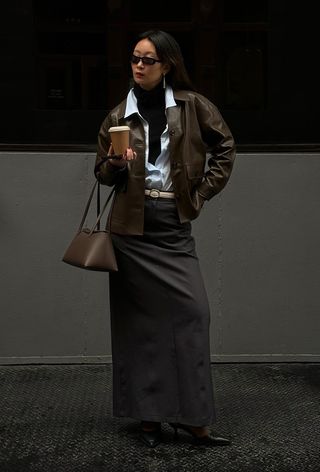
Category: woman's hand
[121,161]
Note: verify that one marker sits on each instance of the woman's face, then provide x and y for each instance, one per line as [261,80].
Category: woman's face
[147,76]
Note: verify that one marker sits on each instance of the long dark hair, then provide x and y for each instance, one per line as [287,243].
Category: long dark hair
[169,52]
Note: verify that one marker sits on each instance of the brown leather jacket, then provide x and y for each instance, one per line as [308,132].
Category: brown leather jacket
[198,137]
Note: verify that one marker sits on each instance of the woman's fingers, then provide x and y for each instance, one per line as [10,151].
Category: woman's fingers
[130,154]
[120,161]
[110,151]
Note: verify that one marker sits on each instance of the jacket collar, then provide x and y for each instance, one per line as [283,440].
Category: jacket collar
[175,95]
[182,95]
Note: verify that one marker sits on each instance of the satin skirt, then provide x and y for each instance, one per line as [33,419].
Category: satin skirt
[160,323]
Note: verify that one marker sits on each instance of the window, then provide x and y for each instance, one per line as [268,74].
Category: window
[67,65]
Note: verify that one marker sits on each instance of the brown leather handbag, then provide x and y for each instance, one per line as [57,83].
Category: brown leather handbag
[92,248]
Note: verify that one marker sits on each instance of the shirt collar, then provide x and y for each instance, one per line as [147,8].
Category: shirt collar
[132,106]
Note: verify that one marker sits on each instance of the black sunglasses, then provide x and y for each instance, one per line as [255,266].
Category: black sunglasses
[149,61]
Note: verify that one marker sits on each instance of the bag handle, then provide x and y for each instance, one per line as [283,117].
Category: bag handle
[98,203]
[99,214]
[97,223]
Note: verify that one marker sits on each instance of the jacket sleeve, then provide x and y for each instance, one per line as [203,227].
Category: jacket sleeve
[221,148]
[105,172]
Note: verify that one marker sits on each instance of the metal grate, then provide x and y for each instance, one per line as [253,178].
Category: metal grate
[57,418]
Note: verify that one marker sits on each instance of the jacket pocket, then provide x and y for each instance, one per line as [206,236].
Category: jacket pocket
[194,171]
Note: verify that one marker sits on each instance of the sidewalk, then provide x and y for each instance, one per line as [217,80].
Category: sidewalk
[57,418]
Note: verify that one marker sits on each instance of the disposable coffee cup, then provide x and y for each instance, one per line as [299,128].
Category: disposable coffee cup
[119,138]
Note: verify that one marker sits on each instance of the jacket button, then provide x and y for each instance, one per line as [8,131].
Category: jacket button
[172,132]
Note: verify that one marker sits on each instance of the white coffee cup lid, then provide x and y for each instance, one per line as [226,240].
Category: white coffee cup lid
[119,128]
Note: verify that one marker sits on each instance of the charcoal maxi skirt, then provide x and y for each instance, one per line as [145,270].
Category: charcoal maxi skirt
[160,323]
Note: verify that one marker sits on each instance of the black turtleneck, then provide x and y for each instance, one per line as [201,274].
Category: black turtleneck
[151,105]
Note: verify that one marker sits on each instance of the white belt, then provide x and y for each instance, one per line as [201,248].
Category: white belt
[154,193]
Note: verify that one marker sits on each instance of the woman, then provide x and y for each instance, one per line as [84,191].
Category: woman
[159,309]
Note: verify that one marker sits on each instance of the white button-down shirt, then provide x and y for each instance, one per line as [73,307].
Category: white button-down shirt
[157,174]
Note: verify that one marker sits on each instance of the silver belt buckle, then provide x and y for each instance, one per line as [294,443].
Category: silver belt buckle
[154,193]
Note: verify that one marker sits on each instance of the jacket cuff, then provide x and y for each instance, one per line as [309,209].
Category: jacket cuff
[201,195]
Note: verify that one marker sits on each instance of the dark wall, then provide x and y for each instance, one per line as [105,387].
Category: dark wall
[282,109]
[292,101]
[17,78]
